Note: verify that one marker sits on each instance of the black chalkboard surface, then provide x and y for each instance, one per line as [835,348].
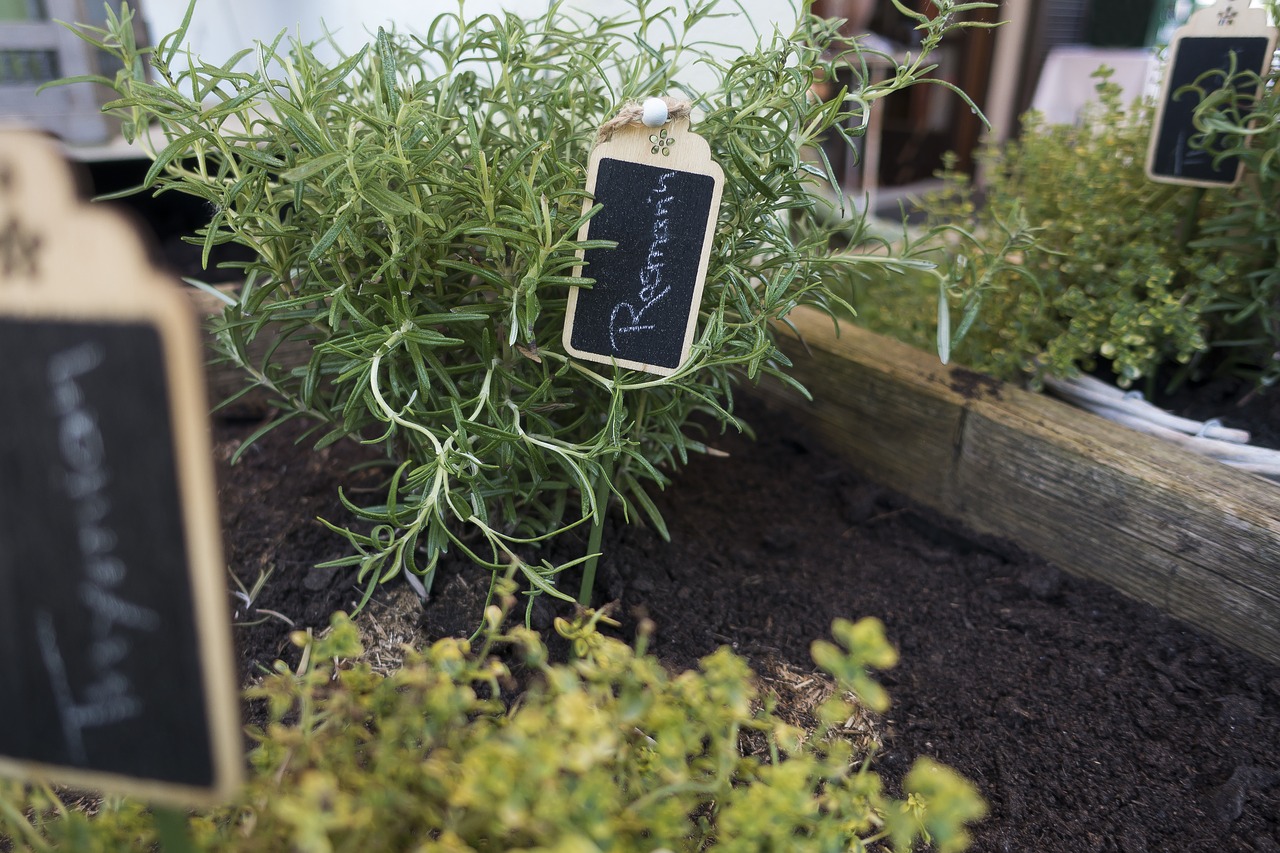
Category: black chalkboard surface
[99,658]
[1226,37]
[639,308]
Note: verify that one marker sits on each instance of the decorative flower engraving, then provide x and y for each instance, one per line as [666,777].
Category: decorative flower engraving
[662,142]
[1227,17]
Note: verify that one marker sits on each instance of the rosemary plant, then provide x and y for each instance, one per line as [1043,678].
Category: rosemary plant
[1246,127]
[412,210]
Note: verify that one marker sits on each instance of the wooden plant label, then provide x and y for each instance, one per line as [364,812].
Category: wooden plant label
[115,651]
[660,192]
[1228,35]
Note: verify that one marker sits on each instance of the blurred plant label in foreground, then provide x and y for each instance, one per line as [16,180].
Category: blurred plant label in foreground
[660,196]
[1214,47]
[115,652]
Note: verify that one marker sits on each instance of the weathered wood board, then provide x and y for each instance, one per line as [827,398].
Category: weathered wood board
[1191,536]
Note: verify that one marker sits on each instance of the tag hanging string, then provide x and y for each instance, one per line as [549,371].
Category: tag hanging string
[633,113]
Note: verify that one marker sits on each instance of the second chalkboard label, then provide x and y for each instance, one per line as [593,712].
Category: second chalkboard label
[1217,47]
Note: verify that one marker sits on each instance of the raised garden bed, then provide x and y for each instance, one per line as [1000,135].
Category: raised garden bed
[1195,538]
[1088,720]
[1074,708]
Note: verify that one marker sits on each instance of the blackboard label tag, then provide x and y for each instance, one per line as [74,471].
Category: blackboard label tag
[660,196]
[116,668]
[1228,35]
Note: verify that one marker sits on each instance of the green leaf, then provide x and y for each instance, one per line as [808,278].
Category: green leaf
[308,168]
[390,73]
[330,236]
[944,323]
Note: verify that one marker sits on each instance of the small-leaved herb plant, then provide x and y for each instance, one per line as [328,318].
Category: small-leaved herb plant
[606,752]
[412,213]
[1068,258]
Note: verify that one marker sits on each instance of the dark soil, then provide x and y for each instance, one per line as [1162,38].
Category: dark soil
[1235,401]
[1088,721]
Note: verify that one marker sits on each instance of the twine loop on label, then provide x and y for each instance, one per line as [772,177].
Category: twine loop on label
[633,113]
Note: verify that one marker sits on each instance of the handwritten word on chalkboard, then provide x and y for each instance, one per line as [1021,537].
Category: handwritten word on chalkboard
[660,194]
[115,656]
[1228,37]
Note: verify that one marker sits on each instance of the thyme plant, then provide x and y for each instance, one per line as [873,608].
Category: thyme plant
[607,752]
[412,212]
[1074,260]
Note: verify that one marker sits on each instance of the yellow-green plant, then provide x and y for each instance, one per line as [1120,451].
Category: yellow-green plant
[1073,259]
[412,211]
[608,752]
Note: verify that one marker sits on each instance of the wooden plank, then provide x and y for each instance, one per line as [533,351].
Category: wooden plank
[1149,492]
[887,420]
[872,407]
[1014,483]
[1238,614]
[1186,534]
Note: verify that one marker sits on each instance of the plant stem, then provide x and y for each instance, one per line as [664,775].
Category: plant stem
[597,532]
[1191,227]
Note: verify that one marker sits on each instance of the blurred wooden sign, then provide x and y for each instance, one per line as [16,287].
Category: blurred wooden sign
[660,196]
[115,651]
[1215,42]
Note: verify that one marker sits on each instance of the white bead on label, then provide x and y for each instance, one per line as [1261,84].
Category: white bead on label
[654,112]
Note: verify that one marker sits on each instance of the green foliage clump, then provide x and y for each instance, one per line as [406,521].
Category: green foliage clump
[1072,259]
[1248,229]
[413,209]
[608,752]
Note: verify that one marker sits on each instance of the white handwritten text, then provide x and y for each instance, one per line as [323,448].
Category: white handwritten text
[109,697]
[626,317]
